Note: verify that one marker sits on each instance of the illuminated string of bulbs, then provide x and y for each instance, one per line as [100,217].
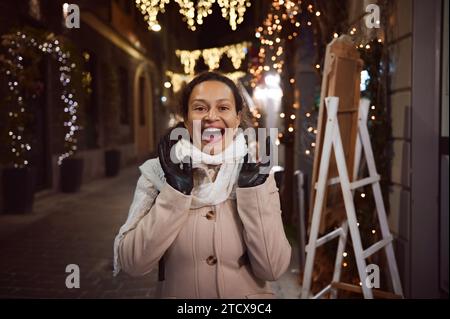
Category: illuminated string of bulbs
[232,10]
[178,79]
[15,43]
[212,56]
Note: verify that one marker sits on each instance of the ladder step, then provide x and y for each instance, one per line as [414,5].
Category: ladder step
[357,289]
[377,246]
[364,182]
[331,181]
[322,292]
[326,238]
[354,185]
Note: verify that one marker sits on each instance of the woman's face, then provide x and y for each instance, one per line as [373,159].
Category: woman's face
[212,116]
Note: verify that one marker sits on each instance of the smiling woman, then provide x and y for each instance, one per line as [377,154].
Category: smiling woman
[214,101]
[209,217]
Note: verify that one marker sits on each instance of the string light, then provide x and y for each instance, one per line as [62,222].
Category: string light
[178,79]
[212,56]
[233,11]
[47,44]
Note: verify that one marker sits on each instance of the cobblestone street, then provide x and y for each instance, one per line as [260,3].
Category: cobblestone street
[79,229]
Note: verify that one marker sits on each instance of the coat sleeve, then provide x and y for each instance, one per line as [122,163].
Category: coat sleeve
[267,246]
[143,245]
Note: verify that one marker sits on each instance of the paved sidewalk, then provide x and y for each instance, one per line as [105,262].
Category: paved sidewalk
[78,229]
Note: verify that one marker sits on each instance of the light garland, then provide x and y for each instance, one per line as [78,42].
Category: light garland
[13,66]
[232,10]
[281,23]
[178,79]
[212,56]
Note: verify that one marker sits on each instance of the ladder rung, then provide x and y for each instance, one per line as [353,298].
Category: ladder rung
[364,182]
[377,246]
[357,289]
[331,181]
[322,292]
[330,236]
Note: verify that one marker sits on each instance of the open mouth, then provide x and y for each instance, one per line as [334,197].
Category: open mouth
[212,134]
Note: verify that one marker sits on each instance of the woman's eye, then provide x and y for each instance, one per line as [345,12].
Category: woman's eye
[224,108]
[199,108]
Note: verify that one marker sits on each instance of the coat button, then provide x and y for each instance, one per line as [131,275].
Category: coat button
[211,215]
[211,260]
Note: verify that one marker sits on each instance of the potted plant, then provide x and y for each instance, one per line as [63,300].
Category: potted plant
[111,113]
[20,86]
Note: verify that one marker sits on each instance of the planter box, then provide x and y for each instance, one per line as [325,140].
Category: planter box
[112,163]
[71,175]
[18,190]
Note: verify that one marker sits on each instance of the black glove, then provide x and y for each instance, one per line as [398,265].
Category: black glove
[178,175]
[250,175]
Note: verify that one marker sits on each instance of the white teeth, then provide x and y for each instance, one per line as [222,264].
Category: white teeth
[212,130]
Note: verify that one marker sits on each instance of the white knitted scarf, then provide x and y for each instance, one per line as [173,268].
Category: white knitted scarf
[209,193]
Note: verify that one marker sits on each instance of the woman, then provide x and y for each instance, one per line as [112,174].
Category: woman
[214,220]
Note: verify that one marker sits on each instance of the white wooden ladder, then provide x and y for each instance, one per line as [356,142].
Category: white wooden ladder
[333,142]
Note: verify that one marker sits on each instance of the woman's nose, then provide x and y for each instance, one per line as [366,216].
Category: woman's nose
[212,115]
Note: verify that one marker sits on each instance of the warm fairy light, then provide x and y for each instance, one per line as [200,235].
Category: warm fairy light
[335,35]
[290,129]
[307,152]
[156,27]
[178,79]
[292,116]
[373,107]
[167,84]
[317,66]
[373,231]
[49,45]
[363,195]
[345,264]
[212,56]
[233,11]
[344,254]
[308,114]
[313,144]
[317,13]
[292,81]
[282,115]
[373,117]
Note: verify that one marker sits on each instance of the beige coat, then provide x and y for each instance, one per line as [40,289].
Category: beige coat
[229,250]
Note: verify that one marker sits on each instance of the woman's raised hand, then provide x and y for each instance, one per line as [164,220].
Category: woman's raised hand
[178,174]
[252,173]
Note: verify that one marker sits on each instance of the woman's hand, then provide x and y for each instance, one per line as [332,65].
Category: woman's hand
[178,175]
[254,174]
